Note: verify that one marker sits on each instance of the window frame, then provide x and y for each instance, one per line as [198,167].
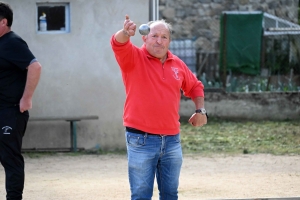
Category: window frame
[67,17]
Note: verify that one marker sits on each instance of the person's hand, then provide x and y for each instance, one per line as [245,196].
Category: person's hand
[197,119]
[25,104]
[129,27]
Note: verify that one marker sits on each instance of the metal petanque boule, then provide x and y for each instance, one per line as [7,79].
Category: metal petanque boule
[144,29]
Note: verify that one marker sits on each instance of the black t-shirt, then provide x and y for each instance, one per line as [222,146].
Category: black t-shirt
[15,57]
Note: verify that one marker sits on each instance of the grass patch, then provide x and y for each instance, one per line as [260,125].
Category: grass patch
[246,137]
[225,137]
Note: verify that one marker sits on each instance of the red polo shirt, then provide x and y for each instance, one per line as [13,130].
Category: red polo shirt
[153,89]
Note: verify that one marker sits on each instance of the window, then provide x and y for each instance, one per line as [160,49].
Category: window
[53,18]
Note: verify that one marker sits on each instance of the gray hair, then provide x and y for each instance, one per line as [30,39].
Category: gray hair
[168,25]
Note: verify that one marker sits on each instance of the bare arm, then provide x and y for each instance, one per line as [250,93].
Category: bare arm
[128,30]
[33,77]
[199,102]
[198,119]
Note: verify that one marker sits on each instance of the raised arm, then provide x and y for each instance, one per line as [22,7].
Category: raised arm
[128,30]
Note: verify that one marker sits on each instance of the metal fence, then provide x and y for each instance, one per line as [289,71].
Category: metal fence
[185,49]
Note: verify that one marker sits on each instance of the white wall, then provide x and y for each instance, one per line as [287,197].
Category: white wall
[80,75]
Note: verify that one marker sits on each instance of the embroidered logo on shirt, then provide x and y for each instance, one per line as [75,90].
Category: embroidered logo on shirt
[6,129]
[175,70]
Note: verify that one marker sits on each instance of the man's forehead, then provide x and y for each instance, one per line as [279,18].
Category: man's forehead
[159,25]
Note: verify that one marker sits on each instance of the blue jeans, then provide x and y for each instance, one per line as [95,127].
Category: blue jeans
[150,155]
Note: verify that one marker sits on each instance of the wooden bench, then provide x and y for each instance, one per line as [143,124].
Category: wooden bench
[72,120]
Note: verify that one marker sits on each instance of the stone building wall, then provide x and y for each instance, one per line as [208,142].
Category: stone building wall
[200,19]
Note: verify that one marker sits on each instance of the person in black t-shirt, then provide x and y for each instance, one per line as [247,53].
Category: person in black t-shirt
[19,75]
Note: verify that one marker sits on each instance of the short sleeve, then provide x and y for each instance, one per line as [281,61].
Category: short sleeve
[19,54]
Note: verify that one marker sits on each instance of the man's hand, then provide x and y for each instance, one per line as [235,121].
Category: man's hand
[128,30]
[198,119]
[25,104]
[129,27]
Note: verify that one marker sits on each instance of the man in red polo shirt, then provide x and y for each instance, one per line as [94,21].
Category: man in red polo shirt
[153,78]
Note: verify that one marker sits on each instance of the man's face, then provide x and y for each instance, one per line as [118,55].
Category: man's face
[158,40]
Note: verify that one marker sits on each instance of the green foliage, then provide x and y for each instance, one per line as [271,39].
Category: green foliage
[247,137]
[242,83]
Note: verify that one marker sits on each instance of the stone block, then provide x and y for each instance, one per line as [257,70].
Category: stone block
[168,13]
[204,1]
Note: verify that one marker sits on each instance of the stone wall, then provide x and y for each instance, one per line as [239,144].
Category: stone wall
[247,106]
[200,19]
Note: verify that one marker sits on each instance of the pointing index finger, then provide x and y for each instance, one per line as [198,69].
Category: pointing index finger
[126,17]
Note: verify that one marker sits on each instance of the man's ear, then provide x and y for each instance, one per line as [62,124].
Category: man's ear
[144,37]
[4,22]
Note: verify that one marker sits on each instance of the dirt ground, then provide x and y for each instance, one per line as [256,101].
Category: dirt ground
[104,177]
